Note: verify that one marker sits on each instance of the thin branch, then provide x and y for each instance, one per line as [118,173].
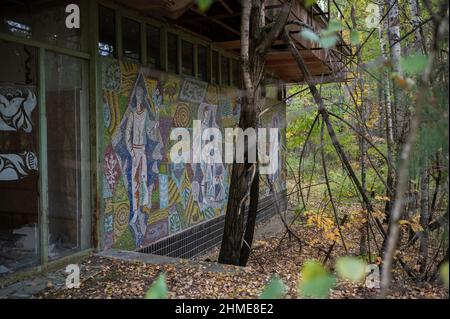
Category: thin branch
[330,194]
[268,39]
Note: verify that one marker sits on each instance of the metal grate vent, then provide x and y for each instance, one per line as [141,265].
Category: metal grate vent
[199,239]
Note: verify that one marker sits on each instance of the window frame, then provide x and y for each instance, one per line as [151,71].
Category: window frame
[146,26]
[142,33]
[178,65]
[207,62]
[194,58]
[221,71]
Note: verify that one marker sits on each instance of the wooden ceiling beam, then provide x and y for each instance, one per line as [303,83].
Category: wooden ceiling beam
[218,22]
[291,63]
[205,18]
[236,44]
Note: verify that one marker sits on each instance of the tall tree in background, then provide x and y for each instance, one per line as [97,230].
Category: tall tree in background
[393,31]
[419,48]
[418,43]
[388,109]
[362,117]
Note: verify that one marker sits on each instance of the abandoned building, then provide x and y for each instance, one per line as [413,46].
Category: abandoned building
[76,176]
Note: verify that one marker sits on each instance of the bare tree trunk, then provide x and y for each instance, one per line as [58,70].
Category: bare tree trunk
[240,179]
[362,114]
[397,209]
[390,180]
[251,221]
[424,217]
[401,114]
[437,185]
[419,44]
[255,41]
[419,47]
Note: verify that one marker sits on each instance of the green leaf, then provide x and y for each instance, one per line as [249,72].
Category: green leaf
[309,35]
[274,290]
[309,3]
[204,5]
[328,41]
[158,290]
[354,37]
[318,288]
[333,27]
[414,64]
[312,269]
[316,282]
[350,268]
[444,273]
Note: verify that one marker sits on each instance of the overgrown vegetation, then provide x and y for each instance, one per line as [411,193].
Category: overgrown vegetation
[391,121]
[369,152]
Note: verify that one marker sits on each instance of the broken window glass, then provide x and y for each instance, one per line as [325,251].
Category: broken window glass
[107,32]
[19,158]
[41,22]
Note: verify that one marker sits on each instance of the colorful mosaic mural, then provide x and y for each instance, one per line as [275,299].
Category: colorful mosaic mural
[146,196]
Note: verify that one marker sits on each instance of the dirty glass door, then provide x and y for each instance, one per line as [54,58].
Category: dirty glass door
[66,95]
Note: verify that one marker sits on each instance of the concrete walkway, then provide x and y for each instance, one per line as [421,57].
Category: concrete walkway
[28,288]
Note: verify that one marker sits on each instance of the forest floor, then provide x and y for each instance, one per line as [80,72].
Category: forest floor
[118,279]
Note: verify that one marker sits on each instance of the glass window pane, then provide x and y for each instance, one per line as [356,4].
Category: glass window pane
[215,67]
[19,158]
[42,22]
[131,38]
[172,52]
[107,32]
[202,63]
[153,47]
[66,102]
[225,71]
[271,87]
[187,50]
